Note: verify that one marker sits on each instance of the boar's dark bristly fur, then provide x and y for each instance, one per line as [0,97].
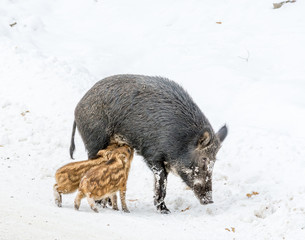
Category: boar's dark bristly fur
[159,119]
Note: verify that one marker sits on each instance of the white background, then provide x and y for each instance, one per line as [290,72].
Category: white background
[242,62]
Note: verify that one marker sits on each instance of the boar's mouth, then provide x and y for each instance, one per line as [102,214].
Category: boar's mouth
[202,181]
[204,195]
[198,178]
[207,199]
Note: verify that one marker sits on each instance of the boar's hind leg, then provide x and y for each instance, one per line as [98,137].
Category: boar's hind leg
[95,137]
[102,203]
[160,175]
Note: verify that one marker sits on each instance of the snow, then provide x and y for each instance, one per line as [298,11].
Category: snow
[242,62]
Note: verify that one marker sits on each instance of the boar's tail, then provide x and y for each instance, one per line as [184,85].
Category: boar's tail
[72,145]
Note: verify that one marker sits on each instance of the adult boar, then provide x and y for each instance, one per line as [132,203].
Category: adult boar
[159,119]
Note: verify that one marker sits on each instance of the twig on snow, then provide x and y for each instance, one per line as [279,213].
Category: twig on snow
[13,24]
[280,4]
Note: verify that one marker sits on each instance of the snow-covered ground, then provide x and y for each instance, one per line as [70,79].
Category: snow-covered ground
[243,63]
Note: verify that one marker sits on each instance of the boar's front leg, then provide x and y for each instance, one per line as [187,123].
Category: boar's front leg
[160,175]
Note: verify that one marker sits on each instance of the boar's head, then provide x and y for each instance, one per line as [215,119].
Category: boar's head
[204,158]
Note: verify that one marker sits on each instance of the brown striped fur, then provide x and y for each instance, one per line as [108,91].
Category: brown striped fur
[69,176]
[106,179]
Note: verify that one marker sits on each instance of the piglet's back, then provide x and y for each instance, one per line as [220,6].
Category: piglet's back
[103,179]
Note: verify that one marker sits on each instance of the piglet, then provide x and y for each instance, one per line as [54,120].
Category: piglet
[69,176]
[106,179]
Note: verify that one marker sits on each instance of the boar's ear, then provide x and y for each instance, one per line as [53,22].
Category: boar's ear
[204,140]
[222,133]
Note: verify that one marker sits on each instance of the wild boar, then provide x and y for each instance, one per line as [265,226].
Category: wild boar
[159,119]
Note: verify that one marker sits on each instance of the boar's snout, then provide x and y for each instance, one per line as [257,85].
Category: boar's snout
[203,181]
[203,192]
[207,199]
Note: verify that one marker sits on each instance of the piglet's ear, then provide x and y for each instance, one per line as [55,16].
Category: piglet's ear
[100,153]
[122,157]
[108,154]
[204,140]
[222,133]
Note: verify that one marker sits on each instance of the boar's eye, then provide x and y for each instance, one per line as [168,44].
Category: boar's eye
[202,163]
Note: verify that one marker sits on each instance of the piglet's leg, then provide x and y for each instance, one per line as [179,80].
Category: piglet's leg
[92,203]
[57,196]
[123,200]
[78,199]
[114,200]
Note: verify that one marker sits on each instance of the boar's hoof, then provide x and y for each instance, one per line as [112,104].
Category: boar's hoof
[100,202]
[205,201]
[103,203]
[163,209]
[109,202]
